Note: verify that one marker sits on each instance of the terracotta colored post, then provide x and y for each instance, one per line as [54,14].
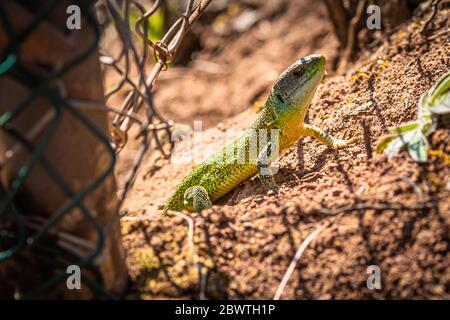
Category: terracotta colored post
[74,151]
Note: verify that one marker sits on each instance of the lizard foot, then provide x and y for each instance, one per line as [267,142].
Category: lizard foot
[340,144]
[326,138]
[264,169]
[196,199]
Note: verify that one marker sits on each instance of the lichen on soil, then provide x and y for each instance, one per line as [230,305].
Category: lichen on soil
[248,239]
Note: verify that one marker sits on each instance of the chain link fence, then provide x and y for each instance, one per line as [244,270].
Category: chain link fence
[31,237]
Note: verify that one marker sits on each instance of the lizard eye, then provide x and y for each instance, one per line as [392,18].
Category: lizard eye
[280,97]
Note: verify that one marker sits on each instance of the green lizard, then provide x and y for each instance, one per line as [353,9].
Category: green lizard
[284,113]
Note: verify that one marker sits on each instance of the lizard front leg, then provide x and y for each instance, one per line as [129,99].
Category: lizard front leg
[196,199]
[264,169]
[326,138]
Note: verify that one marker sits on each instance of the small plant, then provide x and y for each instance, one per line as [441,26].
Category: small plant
[412,135]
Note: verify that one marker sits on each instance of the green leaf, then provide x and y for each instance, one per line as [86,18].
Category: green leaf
[403,127]
[442,105]
[384,143]
[440,88]
[437,100]
[426,119]
[394,147]
[413,134]
[418,148]
[399,143]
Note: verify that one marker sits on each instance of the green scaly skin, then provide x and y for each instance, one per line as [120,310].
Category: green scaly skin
[285,110]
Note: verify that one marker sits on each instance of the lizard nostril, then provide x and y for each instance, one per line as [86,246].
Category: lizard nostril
[297,73]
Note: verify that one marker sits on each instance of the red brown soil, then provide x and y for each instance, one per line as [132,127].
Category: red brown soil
[249,238]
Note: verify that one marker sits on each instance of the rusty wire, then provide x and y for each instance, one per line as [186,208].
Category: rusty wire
[135,52]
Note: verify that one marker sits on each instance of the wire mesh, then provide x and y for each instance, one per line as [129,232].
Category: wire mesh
[20,232]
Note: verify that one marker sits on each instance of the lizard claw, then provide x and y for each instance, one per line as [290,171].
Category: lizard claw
[340,144]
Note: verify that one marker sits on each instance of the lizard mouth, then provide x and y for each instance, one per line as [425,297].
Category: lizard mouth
[302,86]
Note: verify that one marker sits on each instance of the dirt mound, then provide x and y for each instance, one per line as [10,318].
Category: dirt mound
[247,241]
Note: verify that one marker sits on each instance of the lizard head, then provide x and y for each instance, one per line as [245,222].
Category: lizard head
[295,87]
